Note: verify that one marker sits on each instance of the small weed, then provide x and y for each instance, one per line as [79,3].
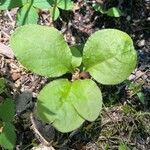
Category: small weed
[108,57]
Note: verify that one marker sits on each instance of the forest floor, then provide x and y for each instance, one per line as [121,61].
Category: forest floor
[125,118]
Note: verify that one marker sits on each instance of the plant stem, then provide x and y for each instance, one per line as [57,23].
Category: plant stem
[54,9]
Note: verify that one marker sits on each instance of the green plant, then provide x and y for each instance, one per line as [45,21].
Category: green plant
[108,58]
[7,112]
[112,12]
[136,90]
[60,4]
[123,147]
[28,9]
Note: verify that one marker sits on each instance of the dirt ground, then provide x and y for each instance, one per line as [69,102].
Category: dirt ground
[124,119]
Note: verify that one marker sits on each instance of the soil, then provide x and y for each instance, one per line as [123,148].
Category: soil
[124,118]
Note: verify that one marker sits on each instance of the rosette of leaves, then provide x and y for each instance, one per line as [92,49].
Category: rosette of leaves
[108,56]
[7,112]
[28,9]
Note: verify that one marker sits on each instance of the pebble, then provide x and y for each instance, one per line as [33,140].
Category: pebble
[141,43]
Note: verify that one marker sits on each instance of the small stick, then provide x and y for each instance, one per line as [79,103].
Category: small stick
[8,14]
[5,34]
[37,133]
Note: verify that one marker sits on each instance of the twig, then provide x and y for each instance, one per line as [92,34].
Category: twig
[4,33]
[8,14]
[37,133]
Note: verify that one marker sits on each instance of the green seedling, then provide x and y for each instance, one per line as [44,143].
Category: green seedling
[136,89]
[7,129]
[28,9]
[123,147]
[112,12]
[108,58]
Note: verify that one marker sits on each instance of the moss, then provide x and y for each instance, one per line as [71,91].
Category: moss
[123,124]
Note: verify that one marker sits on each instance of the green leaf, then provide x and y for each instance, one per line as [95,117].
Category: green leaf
[43,4]
[135,87]
[27,15]
[42,50]
[8,136]
[76,56]
[9,4]
[67,104]
[123,147]
[2,85]
[65,4]
[141,97]
[99,8]
[53,106]
[55,13]
[109,56]
[9,106]
[86,98]
[114,12]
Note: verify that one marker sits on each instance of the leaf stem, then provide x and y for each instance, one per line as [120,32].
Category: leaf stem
[54,9]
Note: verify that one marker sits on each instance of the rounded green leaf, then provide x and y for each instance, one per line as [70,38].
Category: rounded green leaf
[109,56]
[67,104]
[42,50]
[42,4]
[76,56]
[65,4]
[55,13]
[27,15]
[8,105]
[8,136]
[9,4]
[86,98]
[53,106]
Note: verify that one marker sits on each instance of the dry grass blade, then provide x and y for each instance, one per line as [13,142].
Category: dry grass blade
[6,51]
